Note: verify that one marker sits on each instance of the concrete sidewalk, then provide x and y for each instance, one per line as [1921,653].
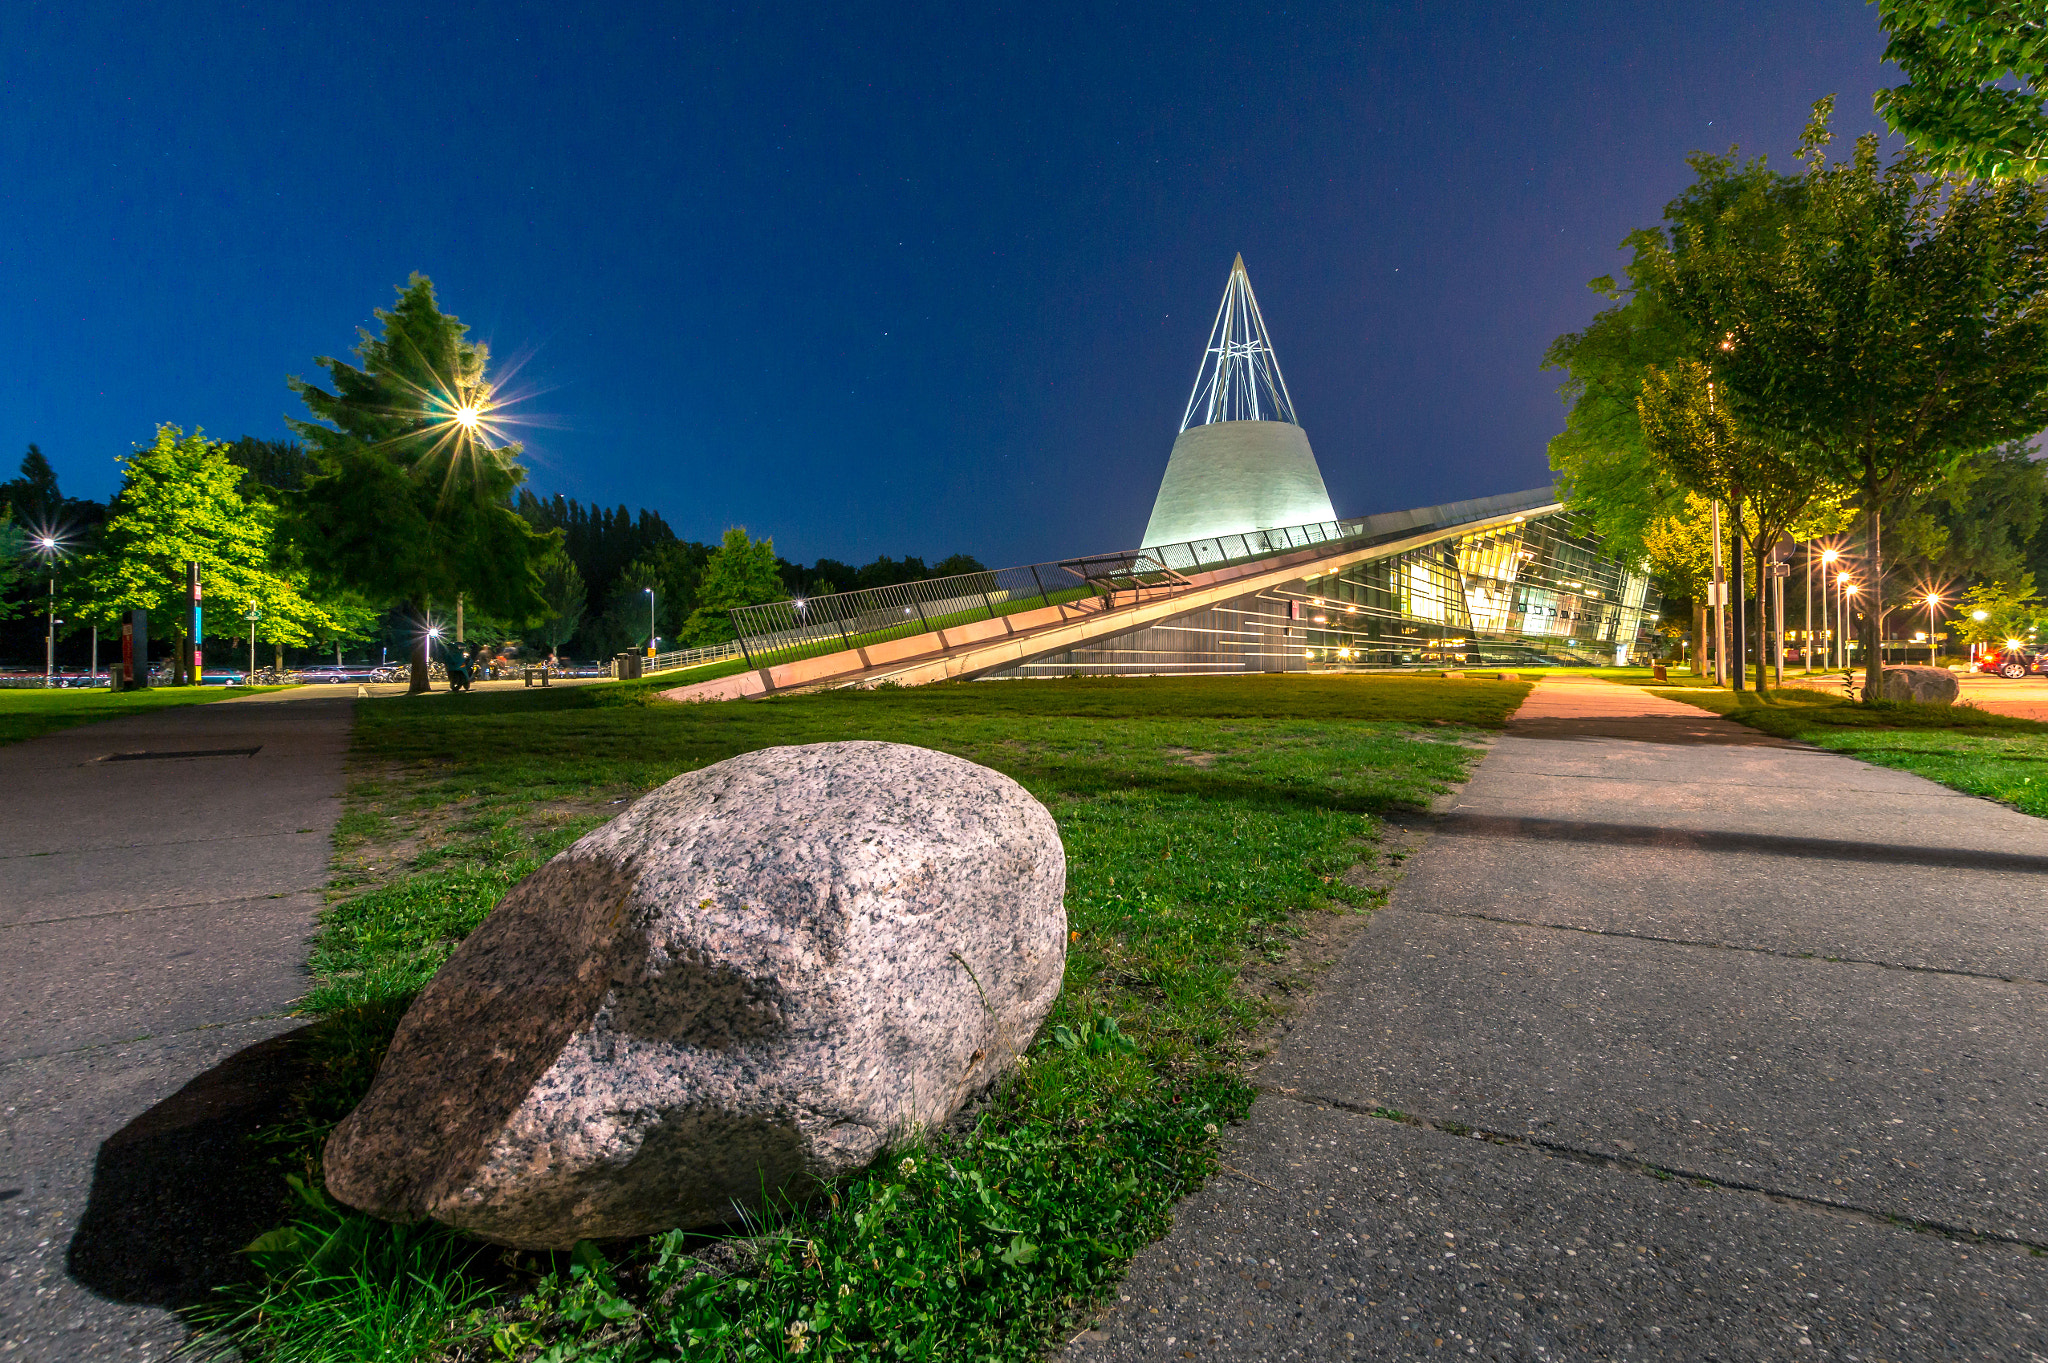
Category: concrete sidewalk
[1677,1041]
[154,920]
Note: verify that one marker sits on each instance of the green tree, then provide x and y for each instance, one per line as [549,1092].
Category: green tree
[561,587]
[14,561]
[740,572]
[1875,324]
[409,501]
[1605,471]
[1714,454]
[2009,609]
[1973,98]
[180,501]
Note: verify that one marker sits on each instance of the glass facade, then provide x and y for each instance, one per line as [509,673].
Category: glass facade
[1532,592]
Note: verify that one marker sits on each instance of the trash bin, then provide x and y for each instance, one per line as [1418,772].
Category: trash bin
[626,667]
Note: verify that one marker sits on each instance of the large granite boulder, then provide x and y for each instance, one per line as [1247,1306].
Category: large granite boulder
[1927,685]
[761,976]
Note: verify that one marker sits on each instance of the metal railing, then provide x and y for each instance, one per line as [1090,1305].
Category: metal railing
[690,657]
[787,631]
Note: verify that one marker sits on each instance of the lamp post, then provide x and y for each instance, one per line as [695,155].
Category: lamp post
[47,546]
[252,618]
[1827,561]
[1849,590]
[1842,619]
[1932,602]
[1980,617]
[650,620]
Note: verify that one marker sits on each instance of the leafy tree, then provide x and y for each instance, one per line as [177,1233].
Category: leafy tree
[561,586]
[957,565]
[740,572]
[1882,327]
[14,561]
[1973,101]
[1605,472]
[2010,609]
[1714,454]
[408,500]
[180,501]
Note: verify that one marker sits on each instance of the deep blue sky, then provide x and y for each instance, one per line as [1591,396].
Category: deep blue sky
[871,279]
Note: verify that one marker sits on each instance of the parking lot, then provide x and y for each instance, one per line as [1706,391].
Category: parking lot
[2026,698]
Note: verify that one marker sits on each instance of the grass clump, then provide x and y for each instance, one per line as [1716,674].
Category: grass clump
[1207,825]
[25,713]
[2000,757]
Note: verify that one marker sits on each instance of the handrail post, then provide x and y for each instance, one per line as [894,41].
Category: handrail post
[1043,594]
[741,635]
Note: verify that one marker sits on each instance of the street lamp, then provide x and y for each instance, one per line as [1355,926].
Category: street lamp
[1932,602]
[252,618]
[650,620]
[1842,617]
[50,549]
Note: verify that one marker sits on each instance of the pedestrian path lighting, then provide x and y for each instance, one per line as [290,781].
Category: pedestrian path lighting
[1933,600]
[50,548]
[252,618]
[1979,617]
[650,620]
[1849,590]
[1842,617]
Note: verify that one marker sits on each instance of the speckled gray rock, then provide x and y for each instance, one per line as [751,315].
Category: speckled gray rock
[760,976]
[1927,685]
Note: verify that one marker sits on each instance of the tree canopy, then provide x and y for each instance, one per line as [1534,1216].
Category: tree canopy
[741,572]
[180,501]
[1973,101]
[408,499]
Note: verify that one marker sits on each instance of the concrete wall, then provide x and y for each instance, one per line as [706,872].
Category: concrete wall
[1232,476]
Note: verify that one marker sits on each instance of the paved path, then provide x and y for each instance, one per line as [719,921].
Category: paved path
[1738,1016]
[153,920]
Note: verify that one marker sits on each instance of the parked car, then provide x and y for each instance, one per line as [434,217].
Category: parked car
[329,675]
[2013,663]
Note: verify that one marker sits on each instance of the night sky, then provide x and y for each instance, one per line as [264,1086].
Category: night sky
[871,279]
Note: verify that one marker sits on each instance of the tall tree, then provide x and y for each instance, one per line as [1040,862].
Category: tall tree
[1886,323]
[410,500]
[561,587]
[1974,98]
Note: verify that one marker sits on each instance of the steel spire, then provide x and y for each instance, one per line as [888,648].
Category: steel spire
[1240,375]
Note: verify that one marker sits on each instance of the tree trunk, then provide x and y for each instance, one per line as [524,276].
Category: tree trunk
[419,681]
[1699,639]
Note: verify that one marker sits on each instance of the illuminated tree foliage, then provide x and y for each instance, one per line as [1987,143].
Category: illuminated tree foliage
[1973,101]
[409,496]
[180,501]
[1874,325]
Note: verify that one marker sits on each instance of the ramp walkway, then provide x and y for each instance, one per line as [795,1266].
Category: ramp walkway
[1677,1041]
[965,627]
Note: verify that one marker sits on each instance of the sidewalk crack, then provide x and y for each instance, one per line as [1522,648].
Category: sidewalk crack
[1720,946]
[1662,1172]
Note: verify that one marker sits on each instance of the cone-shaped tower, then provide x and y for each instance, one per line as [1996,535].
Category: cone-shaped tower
[1241,461]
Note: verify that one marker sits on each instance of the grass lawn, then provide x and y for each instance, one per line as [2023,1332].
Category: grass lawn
[1213,829]
[1960,746]
[26,713]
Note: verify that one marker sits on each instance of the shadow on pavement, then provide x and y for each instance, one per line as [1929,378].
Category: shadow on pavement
[1461,825]
[1685,731]
[177,1192]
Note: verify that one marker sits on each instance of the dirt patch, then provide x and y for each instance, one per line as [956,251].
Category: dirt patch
[1189,757]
